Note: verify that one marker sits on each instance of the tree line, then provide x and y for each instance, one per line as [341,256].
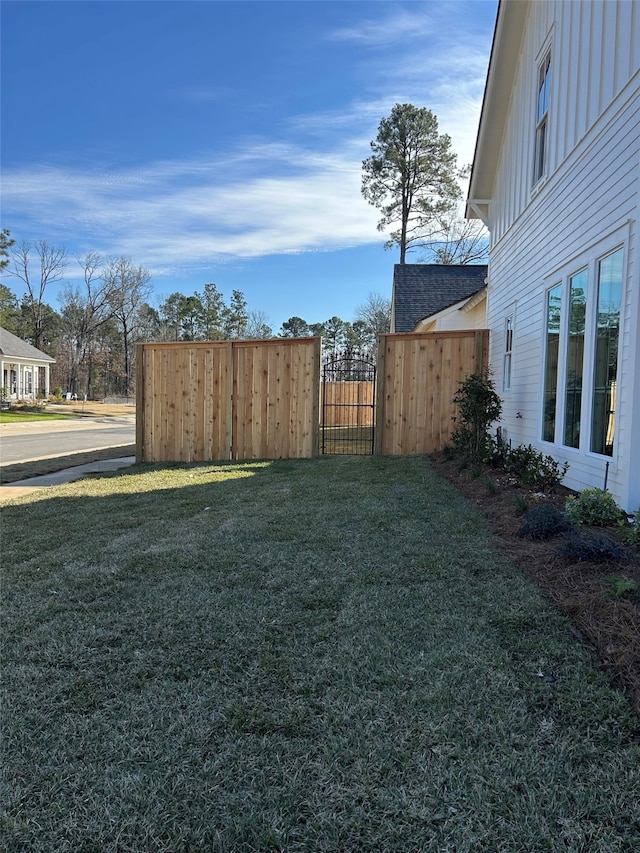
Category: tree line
[93,334]
[411,176]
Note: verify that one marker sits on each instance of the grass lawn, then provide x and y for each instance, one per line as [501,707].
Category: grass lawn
[15,416]
[13,472]
[321,655]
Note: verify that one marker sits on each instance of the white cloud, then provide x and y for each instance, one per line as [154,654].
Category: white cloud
[297,191]
[185,212]
[399,26]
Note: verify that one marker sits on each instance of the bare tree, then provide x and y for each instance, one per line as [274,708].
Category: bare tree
[258,326]
[128,288]
[375,314]
[84,310]
[457,241]
[37,265]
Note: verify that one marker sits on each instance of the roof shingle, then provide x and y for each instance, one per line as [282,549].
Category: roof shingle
[12,346]
[421,290]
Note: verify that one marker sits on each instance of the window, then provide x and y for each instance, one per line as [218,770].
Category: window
[542,115]
[575,357]
[508,347]
[552,352]
[606,353]
[581,351]
[28,382]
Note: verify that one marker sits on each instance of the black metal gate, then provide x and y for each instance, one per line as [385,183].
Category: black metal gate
[348,404]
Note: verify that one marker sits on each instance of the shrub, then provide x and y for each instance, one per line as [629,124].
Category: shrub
[543,522]
[631,532]
[520,505]
[534,469]
[580,547]
[478,407]
[619,586]
[593,507]
[490,485]
[448,451]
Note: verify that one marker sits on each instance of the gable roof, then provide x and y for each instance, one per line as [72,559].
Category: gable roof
[12,346]
[421,290]
[503,62]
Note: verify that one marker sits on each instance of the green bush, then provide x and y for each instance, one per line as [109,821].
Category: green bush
[543,522]
[580,547]
[534,469]
[619,586]
[478,407]
[593,507]
[520,505]
[631,532]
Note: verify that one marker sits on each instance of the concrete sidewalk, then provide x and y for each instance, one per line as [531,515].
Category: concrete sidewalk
[9,491]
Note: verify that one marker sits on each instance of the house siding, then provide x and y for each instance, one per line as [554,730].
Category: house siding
[586,205]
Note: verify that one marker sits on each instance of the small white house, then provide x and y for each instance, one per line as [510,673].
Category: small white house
[23,368]
[556,180]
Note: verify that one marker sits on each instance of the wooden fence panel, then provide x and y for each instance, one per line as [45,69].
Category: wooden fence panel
[276,392]
[418,375]
[210,400]
[207,401]
[348,404]
[183,400]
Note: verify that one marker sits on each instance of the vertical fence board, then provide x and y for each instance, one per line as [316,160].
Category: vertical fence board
[261,399]
[418,376]
[218,400]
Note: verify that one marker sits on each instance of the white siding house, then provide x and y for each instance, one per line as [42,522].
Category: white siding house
[556,179]
[24,370]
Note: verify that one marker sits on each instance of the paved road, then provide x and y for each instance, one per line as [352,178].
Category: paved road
[57,438]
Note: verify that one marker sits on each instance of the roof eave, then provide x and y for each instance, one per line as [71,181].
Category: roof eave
[505,53]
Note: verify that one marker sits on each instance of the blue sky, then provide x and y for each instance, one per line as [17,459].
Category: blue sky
[223,141]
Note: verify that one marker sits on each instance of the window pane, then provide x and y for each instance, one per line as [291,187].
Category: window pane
[606,353]
[575,355]
[543,87]
[554,304]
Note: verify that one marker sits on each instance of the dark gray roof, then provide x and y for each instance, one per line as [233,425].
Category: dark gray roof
[13,347]
[421,290]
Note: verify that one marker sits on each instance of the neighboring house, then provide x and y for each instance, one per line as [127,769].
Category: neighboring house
[24,370]
[556,179]
[437,297]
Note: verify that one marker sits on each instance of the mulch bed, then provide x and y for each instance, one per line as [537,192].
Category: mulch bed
[610,625]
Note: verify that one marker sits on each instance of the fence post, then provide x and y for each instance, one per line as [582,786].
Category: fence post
[380,396]
[315,395]
[478,351]
[229,402]
[139,403]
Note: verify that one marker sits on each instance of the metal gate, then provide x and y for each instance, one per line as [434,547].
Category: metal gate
[348,404]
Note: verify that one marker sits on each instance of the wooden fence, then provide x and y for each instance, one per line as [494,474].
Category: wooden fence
[348,404]
[203,401]
[418,375]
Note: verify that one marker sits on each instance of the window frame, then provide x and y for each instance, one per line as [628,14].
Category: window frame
[507,362]
[541,137]
[589,260]
[549,388]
